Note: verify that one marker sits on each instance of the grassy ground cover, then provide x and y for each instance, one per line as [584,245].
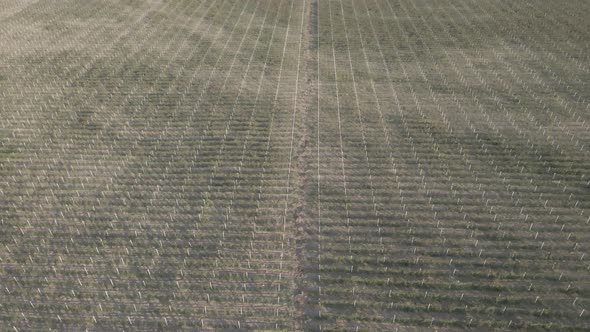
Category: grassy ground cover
[294,165]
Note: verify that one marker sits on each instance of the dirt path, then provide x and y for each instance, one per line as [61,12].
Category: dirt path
[305,98]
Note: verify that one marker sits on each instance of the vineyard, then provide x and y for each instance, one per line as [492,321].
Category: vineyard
[294,165]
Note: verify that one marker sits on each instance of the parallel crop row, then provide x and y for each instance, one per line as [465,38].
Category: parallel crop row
[145,161]
[450,184]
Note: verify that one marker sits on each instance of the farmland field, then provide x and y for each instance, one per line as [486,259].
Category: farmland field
[294,165]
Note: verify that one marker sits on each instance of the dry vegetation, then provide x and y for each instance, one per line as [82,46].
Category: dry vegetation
[359,165]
